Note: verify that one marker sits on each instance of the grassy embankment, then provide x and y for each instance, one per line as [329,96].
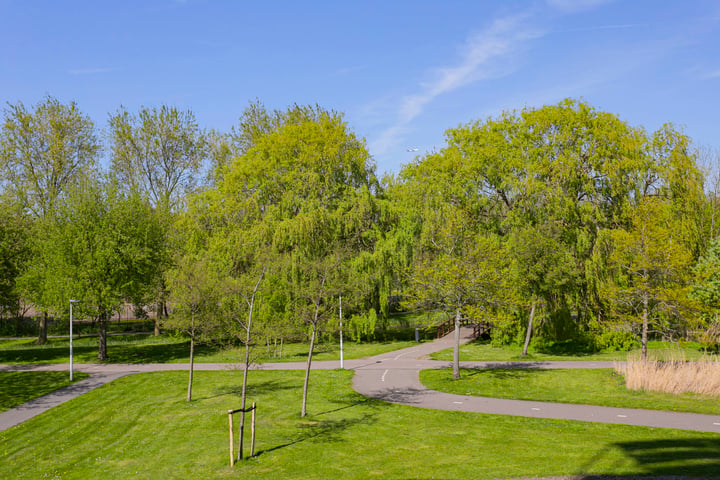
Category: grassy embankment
[17,388]
[586,386]
[141,427]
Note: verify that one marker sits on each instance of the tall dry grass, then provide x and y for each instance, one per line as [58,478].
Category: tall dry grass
[672,376]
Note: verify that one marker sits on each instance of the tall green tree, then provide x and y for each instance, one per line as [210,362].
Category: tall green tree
[158,152]
[579,171]
[302,188]
[43,152]
[101,247]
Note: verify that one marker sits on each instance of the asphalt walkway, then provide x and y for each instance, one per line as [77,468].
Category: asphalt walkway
[392,377]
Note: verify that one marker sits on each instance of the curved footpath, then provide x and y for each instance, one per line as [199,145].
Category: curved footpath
[392,377]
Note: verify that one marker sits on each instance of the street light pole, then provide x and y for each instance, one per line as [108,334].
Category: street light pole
[342,366]
[71,337]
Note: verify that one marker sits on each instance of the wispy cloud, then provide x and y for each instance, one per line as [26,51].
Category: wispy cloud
[623,26]
[89,71]
[711,75]
[503,38]
[571,6]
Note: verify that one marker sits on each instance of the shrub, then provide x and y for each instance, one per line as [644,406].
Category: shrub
[615,340]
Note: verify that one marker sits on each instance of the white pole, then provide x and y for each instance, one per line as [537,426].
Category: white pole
[342,365]
[71,332]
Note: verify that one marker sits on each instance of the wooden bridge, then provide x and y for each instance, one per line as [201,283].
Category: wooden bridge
[479,328]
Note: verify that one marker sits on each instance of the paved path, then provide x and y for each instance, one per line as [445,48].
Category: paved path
[392,377]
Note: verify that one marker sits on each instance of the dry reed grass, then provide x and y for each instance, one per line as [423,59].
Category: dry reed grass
[672,376]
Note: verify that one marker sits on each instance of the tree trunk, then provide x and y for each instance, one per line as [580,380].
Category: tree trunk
[42,329]
[644,339]
[528,335]
[248,331]
[158,314]
[102,337]
[243,395]
[303,410]
[456,349]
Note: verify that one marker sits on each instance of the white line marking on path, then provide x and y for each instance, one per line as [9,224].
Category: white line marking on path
[383,375]
[622,416]
[458,403]
[536,409]
[716,423]
[397,357]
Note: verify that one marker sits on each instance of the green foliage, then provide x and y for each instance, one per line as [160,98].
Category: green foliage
[651,268]
[615,340]
[158,152]
[706,281]
[195,292]
[361,327]
[14,253]
[44,151]
[98,246]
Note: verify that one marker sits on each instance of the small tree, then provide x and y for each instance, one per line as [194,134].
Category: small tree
[473,280]
[240,294]
[315,282]
[650,269]
[706,286]
[194,294]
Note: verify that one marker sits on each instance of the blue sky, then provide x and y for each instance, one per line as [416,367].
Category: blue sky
[401,71]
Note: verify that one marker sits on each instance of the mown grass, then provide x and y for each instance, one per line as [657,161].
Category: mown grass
[582,386]
[171,349]
[484,351]
[141,427]
[17,388]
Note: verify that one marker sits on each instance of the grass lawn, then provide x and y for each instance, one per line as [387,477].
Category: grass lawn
[589,387]
[140,427]
[17,388]
[169,349]
[483,351]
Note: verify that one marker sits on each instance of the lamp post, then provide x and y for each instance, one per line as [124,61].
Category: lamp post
[342,366]
[71,337]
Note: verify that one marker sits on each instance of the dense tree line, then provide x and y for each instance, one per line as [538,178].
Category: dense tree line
[554,224]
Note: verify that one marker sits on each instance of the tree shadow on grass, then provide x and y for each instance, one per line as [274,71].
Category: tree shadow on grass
[678,457]
[254,389]
[327,430]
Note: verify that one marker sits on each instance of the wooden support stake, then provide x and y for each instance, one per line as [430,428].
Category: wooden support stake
[232,447]
[252,432]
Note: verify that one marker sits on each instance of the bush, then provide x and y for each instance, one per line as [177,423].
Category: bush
[615,340]
[576,346]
